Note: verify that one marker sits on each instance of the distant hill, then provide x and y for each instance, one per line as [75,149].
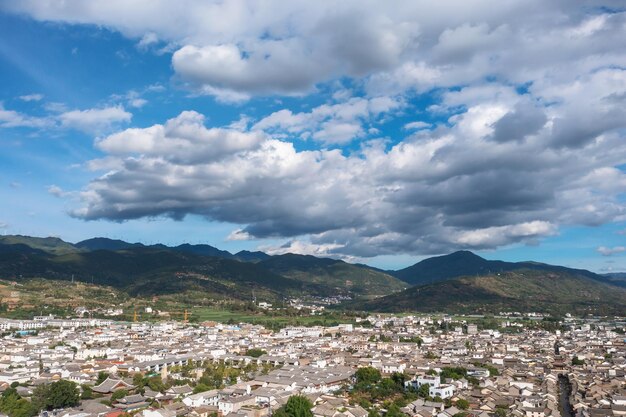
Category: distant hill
[618,278]
[204,250]
[465,263]
[199,270]
[359,279]
[248,256]
[52,245]
[520,290]
[103,243]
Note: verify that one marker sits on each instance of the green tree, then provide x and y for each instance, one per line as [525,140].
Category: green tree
[367,375]
[501,412]
[462,404]
[87,392]
[394,411]
[298,406]
[373,413]
[255,353]
[102,376]
[60,394]
[15,406]
[201,388]
[119,394]
[424,391]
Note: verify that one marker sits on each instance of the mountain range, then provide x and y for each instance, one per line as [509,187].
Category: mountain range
[145,270]
[461,281]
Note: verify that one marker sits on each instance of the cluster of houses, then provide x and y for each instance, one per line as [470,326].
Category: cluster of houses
[527,373]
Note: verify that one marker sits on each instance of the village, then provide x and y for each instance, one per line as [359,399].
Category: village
[417,366]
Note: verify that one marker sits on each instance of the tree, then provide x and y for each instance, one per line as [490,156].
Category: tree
[367,375]
[60,394]
[394,411]
[462,404]
[201,388]
[119,394]
[15,406]
[87,393]
[298,406]
[373,413]
[500,412]
[102,376]
[255,353]
[424,391]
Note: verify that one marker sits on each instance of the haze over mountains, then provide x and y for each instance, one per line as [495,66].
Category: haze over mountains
[461,281]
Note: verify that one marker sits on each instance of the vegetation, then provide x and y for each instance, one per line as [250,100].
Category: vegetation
[60,394]
[12,404]
[296,406]
[520,290]
[360,279]
[255,353]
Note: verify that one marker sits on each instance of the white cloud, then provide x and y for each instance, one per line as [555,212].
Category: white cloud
[606,251]
[11,118]
[443,189]
[31,97]
[302,248]
[148,40]
[331,124]
[57,191]
[94,120]
[417,125]
[501,235]
[239,234]
[239,50]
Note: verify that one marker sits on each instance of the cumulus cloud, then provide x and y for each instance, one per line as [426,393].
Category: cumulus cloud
[606,251]
[528,97]
[238,50]
[31,97]
[94,120]
[337,123]
[449,188]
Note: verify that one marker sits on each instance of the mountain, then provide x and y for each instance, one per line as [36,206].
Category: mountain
[147,271]
[526,290]
[52,245]
[465,263]
[204,250]
[617,278]
[248,256]
[103,243]
[200,271]
[360,279]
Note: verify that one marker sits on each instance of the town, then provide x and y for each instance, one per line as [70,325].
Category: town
[384,365]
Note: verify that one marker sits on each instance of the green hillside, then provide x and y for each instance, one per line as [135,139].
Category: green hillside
[465,263]
[360,279]
[520,290]
[140,270]
[52,245]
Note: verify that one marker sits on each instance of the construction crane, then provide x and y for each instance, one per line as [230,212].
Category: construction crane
[185,315]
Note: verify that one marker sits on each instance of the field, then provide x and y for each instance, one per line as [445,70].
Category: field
[273,321]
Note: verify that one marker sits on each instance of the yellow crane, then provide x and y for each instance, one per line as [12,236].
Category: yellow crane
[186,313]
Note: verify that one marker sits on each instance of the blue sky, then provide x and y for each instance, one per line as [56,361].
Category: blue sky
[354,131]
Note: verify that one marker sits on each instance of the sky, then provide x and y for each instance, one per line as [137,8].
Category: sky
[371,131]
